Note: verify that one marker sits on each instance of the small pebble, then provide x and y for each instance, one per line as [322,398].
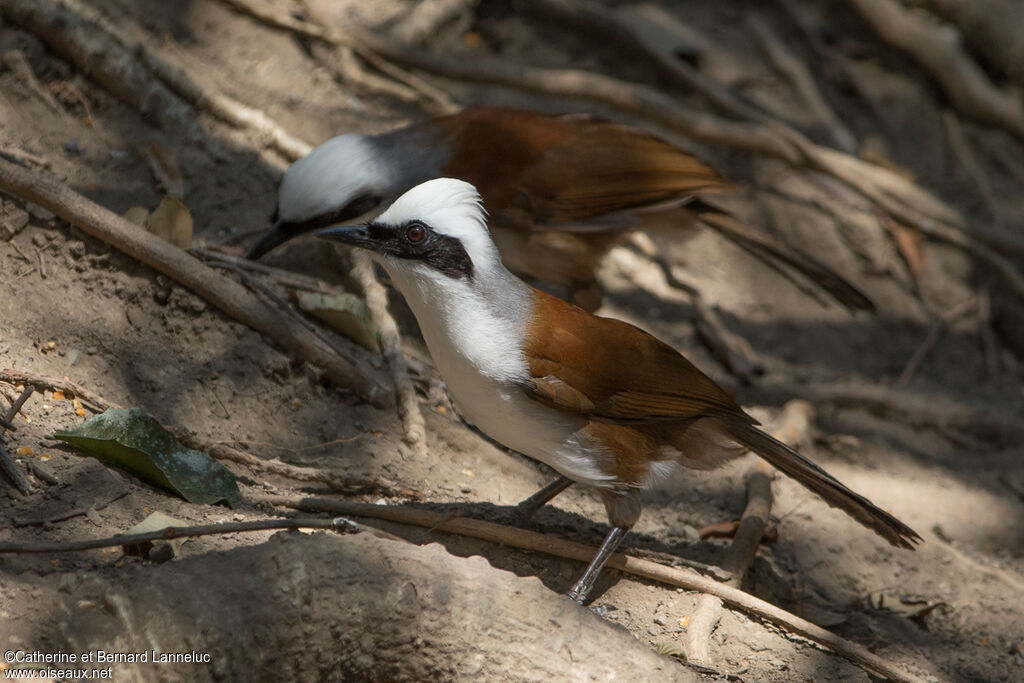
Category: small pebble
[39,239]
[659,620]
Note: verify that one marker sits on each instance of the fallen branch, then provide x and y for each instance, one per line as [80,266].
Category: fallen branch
[792,429]
[63,384]
[172,532]
[530,540]
[937,49]
[233,299]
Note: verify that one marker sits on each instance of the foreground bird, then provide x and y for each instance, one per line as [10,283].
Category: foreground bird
[602,402]
[560,190]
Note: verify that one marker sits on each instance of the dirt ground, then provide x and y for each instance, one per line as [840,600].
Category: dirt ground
[140,340]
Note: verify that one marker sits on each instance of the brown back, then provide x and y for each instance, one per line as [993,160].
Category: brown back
[568,168]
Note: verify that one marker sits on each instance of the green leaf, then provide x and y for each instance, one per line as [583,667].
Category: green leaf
[135,441]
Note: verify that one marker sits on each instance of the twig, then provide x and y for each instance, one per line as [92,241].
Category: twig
[13,472]
[42,264]
[415,433]
[529,540]
[988,340]
[337,524]
[285,277]
[15,62]
[285,308]
[931,340]
[341,484]
[800,77]
[70,514]
[64,384]
[7,464]
[792,428]
[40,472]
[937,49]
[224,293]
[16,406]
[969,162]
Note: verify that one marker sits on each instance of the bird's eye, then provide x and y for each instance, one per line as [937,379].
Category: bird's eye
[415,233]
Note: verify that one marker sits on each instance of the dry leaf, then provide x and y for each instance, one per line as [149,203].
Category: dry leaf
[346,313]
[172,222]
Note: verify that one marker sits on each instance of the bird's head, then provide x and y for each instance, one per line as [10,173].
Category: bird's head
[436,232]
[338,182]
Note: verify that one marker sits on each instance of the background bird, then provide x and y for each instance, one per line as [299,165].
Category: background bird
[602,402]
[561,191]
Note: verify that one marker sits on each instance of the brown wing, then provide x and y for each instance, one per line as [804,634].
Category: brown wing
[612,371]
[559,169]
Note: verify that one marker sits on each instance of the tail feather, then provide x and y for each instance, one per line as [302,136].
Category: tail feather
[822,483]
[763,246]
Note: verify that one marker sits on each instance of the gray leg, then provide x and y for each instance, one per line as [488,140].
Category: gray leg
[582,588]
[526,509]
[623,508]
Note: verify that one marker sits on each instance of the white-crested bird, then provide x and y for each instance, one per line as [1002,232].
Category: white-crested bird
[602,402]
[561,190]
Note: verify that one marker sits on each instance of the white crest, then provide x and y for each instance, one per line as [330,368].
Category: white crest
[450,207]
[331,176]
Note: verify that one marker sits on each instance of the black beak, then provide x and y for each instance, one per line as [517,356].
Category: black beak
[278,233]
[352,235]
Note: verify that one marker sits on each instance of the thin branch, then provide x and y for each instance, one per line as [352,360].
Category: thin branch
[414,428]
[233,299]
[530,540]
[337,524]
[799,76]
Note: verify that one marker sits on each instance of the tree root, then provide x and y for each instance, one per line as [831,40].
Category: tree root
[937,49]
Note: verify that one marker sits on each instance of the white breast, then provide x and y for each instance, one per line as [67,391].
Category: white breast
[477,353]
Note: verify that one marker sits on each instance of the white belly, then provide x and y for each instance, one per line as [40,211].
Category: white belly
[505,413]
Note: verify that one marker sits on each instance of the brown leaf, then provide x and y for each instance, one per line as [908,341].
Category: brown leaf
[910,242]
[719,530]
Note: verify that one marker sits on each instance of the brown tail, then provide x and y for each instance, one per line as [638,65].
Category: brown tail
[760,244]
[821,482]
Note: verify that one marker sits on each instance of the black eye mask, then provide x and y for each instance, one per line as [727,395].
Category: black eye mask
[443,252]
